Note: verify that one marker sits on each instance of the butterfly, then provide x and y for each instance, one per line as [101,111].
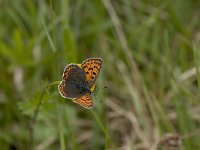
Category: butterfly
[78,81]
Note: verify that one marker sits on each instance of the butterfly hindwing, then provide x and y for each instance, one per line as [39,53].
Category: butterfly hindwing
[84,100]
[91,67]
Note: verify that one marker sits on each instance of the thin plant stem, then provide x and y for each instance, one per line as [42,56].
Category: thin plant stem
[35,115]
[33,120]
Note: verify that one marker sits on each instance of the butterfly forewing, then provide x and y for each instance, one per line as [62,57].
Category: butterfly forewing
[73,79]
[85,101]
[67,70]
[91,68]
[61,89]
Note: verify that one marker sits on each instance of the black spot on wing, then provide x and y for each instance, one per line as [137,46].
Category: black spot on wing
[90,69]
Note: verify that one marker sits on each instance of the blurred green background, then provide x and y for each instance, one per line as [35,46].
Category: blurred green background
[150,51]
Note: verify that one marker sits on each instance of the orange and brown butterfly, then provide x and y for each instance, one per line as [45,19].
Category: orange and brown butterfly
[78,81]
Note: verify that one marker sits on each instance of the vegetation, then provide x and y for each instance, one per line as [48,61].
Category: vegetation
[151,59]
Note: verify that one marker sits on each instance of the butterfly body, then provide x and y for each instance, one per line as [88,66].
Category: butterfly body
[78,81]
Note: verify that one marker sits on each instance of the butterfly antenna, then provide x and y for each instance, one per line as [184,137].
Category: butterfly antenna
[95,95]
[103,87]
